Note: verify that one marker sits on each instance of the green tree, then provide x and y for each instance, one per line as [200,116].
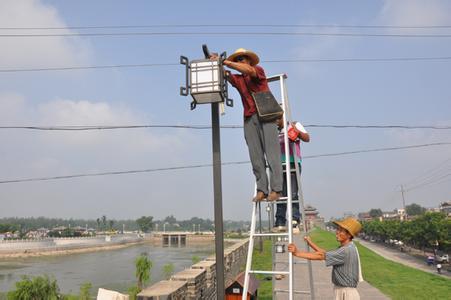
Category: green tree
[38,288]
[195,259]
[170,219]
[145,223]
[375,212]
[98,224]
[414,209]
[104,222]
[168,270]
[133,291]
[111,223]
[85,291]
[143,265]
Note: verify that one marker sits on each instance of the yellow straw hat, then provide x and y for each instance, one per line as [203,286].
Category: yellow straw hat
[351,225]
[243,52]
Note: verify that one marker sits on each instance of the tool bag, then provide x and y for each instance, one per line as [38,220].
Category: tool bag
[267,107]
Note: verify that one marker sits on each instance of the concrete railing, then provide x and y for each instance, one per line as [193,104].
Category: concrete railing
[199,281]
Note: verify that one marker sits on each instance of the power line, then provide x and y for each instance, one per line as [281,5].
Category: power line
[209,165]
[430,173]
[230,26]
[205,127]
[149,65]
[435,181]
[124,34]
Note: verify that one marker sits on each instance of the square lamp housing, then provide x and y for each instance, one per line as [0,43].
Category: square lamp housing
[207,81]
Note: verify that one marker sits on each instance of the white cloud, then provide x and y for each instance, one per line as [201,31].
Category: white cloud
[85,148]
[30,52]
[415,12]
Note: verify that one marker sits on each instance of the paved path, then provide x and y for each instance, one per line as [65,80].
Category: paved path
[321,277]
[402,258]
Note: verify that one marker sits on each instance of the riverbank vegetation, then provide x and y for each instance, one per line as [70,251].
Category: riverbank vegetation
[19,228]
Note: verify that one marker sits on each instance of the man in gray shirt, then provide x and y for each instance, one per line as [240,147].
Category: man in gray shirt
[345,261]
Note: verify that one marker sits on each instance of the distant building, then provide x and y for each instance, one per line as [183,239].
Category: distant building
[364,216]
[312,217]
[445,207]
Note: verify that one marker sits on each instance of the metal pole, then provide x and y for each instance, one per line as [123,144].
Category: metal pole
[260,241]
[217,187]
[403,200]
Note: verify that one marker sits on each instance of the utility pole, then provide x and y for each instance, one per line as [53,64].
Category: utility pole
[403,201]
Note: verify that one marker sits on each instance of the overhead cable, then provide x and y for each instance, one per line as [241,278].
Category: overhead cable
[204,127]
[124,34]
[231,26]
[209,165]
[306,60]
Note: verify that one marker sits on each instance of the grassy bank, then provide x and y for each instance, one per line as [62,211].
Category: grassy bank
[393,279]
[263,261]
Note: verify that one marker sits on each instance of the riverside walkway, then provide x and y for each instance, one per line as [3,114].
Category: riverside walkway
[322,280]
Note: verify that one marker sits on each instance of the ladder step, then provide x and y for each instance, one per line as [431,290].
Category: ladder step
[294,291]
[270,234]
[294,262]
[269,272]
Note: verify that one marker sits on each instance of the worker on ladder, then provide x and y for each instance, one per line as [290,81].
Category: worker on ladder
[296,134]
[261,137]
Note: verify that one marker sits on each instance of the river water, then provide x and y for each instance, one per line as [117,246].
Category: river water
[112,269]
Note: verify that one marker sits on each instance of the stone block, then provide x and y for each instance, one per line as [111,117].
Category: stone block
[166,289]
[196,282]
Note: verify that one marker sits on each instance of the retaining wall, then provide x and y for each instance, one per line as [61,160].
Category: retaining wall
[200,279]
[51,244]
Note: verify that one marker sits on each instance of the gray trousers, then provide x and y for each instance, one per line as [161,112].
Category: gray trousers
[263,139]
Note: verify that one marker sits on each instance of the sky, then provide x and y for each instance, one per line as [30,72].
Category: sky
[361,93]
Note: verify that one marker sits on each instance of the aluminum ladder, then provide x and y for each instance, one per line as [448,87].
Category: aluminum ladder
[288,200]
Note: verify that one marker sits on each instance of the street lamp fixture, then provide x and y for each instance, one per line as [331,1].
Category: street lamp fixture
[205,80]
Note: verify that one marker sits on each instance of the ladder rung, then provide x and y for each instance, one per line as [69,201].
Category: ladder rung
[294,262]
[295,292]
[270,234]
[269,272]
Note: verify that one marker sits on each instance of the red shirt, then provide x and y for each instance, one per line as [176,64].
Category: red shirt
[243,83]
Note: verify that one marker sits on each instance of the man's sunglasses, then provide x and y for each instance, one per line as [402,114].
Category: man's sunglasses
[240,58]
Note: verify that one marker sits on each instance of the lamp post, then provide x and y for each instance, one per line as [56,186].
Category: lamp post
[206,83]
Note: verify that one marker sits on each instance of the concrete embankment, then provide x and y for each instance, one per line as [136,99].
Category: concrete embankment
[61,246]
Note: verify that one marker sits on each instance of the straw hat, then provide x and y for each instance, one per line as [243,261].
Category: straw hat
[351,225]
[243,52]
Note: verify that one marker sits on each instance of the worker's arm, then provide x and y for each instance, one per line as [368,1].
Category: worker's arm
[241,67]
[304,136]
[313,245]
[302,133]
[307,255]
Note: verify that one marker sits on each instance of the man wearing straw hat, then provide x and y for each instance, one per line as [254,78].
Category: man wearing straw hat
[345,261]
[261,137]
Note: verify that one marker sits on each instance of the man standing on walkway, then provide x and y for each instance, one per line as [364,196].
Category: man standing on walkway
[261,137]
[345,261]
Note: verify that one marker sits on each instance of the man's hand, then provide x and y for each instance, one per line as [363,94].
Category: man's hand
[292,248]
[308,239]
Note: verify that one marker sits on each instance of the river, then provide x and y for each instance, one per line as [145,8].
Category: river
[112,269]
